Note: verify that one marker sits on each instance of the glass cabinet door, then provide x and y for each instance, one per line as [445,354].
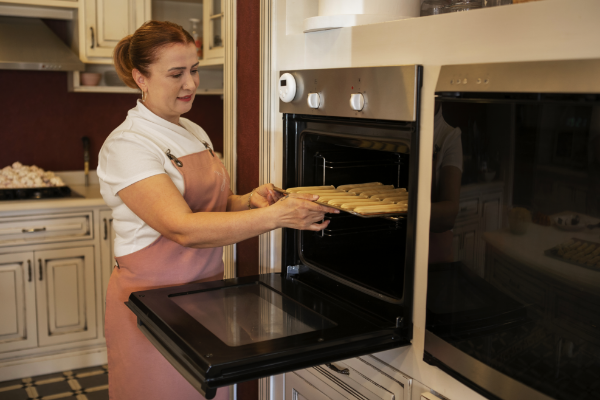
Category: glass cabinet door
[213,29]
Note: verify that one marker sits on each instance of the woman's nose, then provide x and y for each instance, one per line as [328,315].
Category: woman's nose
[190,82]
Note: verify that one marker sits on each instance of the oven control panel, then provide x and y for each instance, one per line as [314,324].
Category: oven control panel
[386,93]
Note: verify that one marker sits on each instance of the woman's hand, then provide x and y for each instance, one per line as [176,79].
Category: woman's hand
[298,211]
[264,196]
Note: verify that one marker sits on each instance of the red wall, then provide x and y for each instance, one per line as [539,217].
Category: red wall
[248,47]
[42,124]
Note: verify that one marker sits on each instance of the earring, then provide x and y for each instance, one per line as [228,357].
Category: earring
[144,96]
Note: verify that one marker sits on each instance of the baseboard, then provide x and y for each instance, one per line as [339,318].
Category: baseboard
[41,365]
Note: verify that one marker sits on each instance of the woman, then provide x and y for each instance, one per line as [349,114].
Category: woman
[445,188]
[169,195]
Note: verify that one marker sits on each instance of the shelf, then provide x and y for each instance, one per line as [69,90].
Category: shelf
[211,81]
[211,63]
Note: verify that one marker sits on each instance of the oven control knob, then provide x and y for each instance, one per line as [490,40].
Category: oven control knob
[314,100]
[357,101]
[287,87]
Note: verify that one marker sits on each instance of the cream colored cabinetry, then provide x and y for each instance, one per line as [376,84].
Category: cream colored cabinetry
[17,302]
[45,3]
[479,212]
[50,291]
[59,284]
[358,378]
[65,293]
[213,30]
[105,23]
[107,254]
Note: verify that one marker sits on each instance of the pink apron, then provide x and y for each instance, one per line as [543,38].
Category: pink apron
[136,370]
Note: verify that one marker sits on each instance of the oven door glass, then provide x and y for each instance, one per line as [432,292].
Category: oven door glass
[219,333]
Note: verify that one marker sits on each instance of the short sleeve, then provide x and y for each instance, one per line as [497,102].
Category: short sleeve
[452,154]
[127,159]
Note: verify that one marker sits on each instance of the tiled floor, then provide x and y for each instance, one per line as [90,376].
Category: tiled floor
[82,384]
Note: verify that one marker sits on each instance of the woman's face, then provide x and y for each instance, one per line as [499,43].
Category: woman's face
[171,85]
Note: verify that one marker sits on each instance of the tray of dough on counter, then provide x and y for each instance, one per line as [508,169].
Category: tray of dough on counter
[577,251]
[365,200]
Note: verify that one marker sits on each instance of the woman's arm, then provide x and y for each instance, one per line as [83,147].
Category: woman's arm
[157,202]
[445,209]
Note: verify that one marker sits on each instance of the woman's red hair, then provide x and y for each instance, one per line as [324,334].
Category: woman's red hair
[138,51]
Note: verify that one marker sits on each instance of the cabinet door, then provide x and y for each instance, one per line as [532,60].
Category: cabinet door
[17,302]
[109,21]
[65,295]
[107,255]
[465,235]
[213,29]
[490,222]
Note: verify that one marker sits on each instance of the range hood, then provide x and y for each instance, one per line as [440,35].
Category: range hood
[28,44]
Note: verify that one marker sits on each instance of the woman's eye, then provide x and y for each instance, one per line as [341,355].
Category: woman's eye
[194,71]
[175,76]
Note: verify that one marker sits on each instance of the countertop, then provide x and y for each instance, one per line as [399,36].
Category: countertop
[528,250]
[83,196]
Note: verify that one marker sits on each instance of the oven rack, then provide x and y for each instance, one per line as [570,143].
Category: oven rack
[396,216]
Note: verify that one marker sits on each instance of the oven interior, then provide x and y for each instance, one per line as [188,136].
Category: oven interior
[367,254]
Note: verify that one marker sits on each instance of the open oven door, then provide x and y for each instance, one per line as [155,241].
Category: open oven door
[220,333]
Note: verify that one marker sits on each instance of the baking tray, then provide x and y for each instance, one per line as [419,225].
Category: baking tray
[34,193]
[553,253]
[393,216]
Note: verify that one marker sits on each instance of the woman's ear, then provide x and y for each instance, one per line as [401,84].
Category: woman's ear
[140,80]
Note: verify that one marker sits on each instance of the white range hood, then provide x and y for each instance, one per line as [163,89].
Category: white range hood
[335,14]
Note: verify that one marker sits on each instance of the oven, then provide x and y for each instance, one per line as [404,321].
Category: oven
[343,292]
[516,315]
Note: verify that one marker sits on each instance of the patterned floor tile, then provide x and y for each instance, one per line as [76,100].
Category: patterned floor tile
[19,394]
[98,395]
[93,381]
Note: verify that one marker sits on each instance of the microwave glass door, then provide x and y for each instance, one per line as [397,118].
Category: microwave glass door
[220,333]
[523,297]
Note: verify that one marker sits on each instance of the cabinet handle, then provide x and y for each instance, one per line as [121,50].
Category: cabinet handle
[29,269]
[344,371]
[105,229]
[93,39]
[31,230]
[41,269]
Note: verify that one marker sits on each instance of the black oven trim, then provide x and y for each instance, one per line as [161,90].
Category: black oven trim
[186,343]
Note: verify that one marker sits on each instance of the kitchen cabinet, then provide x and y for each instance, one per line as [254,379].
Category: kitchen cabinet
[479,211]
[50,288]
[105,23]
[58,287]
[107,254]
[358,378]
[213,30]
[46,3]
[463,242]
[65,294]
[17,302]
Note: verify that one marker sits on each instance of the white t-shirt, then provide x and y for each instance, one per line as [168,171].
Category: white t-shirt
[136,151]
[447,139]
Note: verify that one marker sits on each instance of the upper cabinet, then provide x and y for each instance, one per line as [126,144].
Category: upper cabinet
[105,22]
[213,51]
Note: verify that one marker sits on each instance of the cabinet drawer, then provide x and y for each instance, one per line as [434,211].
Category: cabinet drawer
[363,378]
[468,208]
[45,228]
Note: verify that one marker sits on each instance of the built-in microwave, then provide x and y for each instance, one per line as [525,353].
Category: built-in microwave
[516,315]
[344,291]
